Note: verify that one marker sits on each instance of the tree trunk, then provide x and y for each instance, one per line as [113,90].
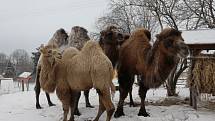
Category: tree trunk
[173,77]
[171,88]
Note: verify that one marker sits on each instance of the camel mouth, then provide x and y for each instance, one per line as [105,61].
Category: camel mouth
[183,53]
[59,56]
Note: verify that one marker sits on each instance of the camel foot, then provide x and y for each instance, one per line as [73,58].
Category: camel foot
[51,104]
[76,112]
[119,113]
[132,104]
[71,119]
[89,106]
[38,106]
[145,114]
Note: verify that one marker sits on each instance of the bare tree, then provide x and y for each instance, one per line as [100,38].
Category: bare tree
[3,61]
[21,60]
[3,58]
[202,13]
[128,16]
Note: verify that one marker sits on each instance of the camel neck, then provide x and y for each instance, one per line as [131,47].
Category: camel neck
[159,66]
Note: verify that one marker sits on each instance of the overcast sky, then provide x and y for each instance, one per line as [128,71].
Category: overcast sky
[25,24]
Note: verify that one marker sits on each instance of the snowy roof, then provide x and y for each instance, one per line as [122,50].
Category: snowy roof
[199,36]
[25,75]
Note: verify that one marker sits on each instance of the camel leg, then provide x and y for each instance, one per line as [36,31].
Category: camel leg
[124,88]
[37,89]
[65,111]
[142,92]
[132,104]
[73,104]
[101,108]
[49,100]
[76,112]
[105,98]
[86,95]
[64,94]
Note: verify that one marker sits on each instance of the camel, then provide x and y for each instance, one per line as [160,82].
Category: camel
[59,39]
[76,71]
[153,63]
[77,38]
[110,41]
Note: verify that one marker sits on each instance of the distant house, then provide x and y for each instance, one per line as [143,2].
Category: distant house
[24,78]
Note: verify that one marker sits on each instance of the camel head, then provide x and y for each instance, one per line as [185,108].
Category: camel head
[111,36]
[60,37]
[51,54]
[173,43]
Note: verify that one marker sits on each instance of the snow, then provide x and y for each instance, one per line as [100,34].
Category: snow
[20,106]
[199,36]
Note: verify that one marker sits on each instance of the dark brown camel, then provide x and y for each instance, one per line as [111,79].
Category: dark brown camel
[153,63]
[60,39]
[110,41]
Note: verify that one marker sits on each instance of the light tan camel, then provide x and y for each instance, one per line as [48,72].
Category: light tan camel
[77,38]
[78,71]
[59,39]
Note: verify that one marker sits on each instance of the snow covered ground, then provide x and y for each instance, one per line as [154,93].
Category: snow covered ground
[20,106]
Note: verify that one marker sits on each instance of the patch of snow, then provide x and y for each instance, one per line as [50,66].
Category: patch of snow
[20,106]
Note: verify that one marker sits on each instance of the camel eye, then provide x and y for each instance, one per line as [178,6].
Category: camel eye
[110,34]
[168,43]
[50,51]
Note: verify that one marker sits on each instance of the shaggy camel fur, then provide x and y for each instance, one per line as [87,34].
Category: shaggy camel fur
[77,38]
[153,63]
[78,71]
[59,39]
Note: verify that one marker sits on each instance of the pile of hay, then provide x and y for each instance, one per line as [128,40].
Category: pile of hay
[204,74]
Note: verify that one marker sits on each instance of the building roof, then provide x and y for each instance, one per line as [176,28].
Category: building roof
[203,36]
[25,75]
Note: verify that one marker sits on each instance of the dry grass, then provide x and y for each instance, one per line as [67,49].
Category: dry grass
[204,75]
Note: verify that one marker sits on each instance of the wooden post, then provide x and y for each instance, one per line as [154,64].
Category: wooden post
[23,88]
[27,85]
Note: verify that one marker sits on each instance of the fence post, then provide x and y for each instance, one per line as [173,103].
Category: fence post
[23,89]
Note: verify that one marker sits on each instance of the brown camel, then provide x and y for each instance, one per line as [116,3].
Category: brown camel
[60,40]
[153,63]
[78,71]
[110,41]
[77,38]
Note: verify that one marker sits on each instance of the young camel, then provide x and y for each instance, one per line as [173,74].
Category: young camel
[77,38]
[153,63]
[60,40]
[78,71]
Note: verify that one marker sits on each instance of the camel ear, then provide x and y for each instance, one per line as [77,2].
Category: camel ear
[42,48]
[158,36]
[126,36]
[148,34]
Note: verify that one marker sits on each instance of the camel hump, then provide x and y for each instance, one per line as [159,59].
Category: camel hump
[70,53]
[91,47]
[142,33]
